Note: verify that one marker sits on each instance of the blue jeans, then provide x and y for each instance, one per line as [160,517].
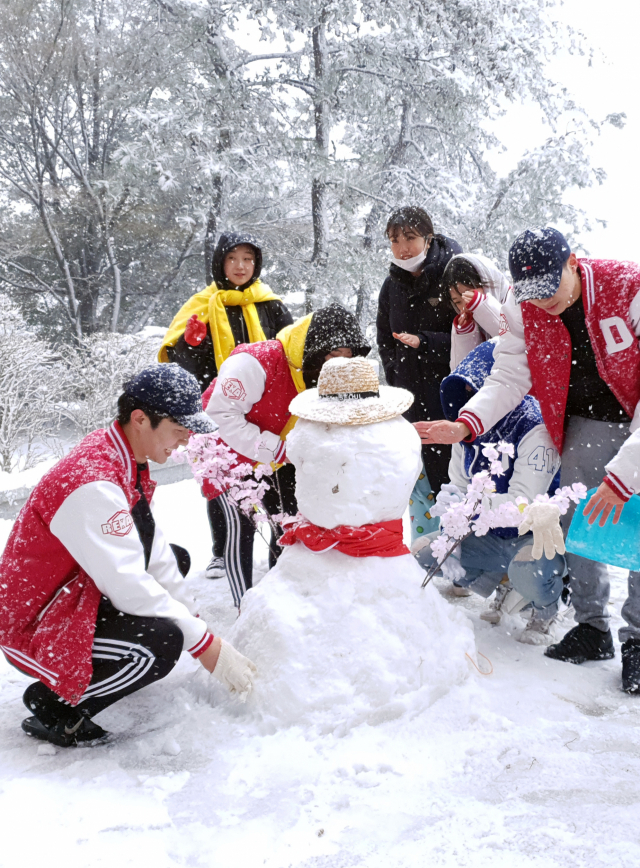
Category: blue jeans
[487,558]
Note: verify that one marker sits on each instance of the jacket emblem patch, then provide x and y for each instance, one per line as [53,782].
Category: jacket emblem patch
[233,389]
[119,524]
[503,325]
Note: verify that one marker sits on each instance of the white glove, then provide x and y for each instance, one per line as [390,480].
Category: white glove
[544,520]
[452,569]
[448,494]
[235,671]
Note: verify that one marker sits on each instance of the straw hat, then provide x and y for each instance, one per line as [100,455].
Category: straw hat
[349,393]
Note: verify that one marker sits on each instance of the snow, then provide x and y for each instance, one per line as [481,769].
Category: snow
[354,474]
[536,765]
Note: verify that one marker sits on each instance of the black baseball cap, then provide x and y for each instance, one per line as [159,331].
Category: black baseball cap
[169,390]
[536,260]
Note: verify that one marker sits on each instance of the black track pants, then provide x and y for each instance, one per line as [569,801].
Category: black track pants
[238,553]
[129,652]
[218,526]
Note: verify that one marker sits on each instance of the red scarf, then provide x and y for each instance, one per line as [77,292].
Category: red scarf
[382,540]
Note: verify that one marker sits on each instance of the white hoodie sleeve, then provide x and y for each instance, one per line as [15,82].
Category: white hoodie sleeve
[510,378]
[486,312]
[240,384]
[94,524]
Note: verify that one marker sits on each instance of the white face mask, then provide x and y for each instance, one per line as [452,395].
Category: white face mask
[414,263]
[410,264]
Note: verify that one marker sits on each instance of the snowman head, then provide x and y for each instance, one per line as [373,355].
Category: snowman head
[354,474]
[356,457]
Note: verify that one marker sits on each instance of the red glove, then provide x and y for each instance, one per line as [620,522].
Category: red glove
[195,332]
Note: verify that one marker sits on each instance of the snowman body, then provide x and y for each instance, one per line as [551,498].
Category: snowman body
[340,640]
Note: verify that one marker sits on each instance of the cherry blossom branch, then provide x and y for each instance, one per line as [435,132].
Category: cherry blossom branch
[469,515]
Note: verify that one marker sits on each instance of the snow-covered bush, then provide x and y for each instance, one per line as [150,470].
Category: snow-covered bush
[97,369]
[30,388]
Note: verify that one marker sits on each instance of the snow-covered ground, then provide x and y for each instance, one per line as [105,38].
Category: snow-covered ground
[537,764]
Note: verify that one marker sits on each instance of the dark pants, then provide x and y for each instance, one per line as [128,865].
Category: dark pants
[238,554]
[129,652]
[218,526]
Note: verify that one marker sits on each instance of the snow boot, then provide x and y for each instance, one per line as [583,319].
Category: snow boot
[216,569]
[68,733]
[507,601]
[538,631]
[631,666]
[459,591]
[583,643]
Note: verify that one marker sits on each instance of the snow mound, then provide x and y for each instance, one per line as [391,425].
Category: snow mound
[340,641]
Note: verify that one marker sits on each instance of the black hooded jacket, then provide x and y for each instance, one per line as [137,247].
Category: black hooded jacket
[273,315]
[418,305]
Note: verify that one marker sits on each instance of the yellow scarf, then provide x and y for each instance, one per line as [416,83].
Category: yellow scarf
[209,305]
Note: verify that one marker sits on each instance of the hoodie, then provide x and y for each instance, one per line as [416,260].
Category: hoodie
[485,307]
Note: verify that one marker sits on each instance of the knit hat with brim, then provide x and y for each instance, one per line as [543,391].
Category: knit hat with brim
[349,393]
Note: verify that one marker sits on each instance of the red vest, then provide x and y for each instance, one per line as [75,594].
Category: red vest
[55,630]
[608,289]
[271,412]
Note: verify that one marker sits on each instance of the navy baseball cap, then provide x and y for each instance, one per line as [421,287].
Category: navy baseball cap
[536,260]
[169,390]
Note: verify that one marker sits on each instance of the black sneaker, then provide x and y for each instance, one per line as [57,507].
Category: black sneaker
[582,643]
[65,734]
[631,666]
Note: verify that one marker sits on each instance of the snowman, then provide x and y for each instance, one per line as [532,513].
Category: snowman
[340,629]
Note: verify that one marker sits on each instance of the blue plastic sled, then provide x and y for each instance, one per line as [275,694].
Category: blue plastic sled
[615,544]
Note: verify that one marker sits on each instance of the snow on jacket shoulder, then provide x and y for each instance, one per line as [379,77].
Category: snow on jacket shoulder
[74,541]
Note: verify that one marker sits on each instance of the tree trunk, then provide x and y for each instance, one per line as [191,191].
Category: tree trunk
[394,159]
[318,184]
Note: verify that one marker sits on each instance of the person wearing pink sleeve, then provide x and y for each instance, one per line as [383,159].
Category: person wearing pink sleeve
[94,603]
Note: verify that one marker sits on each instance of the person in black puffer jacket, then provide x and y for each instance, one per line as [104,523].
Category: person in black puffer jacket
[414,322]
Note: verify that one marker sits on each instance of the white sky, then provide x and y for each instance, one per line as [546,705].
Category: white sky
[610,85]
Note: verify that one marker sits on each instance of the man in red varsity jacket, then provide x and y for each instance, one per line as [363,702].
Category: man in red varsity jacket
[569,334]
[250,401]
[93,603]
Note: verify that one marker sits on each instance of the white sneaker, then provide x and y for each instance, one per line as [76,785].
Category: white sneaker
[216,569]
[459,591]
[539,632]
[507,601]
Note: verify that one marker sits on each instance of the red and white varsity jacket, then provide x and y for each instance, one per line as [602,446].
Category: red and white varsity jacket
[534,354]
[250,401]
[73,542]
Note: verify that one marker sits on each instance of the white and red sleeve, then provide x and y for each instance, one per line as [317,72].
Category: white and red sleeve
[240,384]
[486,312]
[510,378]
[623,471]
[95,525]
